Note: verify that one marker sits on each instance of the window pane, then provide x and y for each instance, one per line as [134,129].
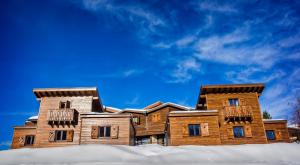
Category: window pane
[62,104]
[107,133]
[68,104]
[101,132]
[197,129]
[270,135]
[58,135]
[64,135]
[191,130]
[29,140]
[233,102]
[238,131]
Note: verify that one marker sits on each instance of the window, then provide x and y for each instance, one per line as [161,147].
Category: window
[64,104]
[60,135]
[104,131]
[29,140]
[233,102]
[136,120]
[270,134]
[194,129]
[238,132]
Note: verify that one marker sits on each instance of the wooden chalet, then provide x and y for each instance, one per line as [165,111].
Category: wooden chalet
[224,114]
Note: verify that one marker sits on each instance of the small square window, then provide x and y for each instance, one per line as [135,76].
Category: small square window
[29,140]
[136,120]
[104,131]
[270,135]
[65,105]
[233,102]
[238,131]
[60,135]
[194,129]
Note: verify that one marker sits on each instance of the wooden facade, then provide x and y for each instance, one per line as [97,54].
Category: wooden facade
[224,114]
[279,128]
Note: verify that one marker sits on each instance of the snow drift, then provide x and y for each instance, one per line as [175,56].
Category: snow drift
[270,154]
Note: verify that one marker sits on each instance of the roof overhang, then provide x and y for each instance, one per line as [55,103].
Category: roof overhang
[193,113]
[232,88]
[105,115]
[228,88]
[65,92]
[274,121]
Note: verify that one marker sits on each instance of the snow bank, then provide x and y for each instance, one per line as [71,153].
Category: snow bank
[270,154]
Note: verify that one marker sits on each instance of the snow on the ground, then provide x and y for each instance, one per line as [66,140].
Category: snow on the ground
[270,154]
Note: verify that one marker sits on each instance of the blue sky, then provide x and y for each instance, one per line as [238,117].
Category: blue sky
[139,52]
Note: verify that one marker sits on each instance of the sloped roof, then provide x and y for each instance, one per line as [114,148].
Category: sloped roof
[156,108]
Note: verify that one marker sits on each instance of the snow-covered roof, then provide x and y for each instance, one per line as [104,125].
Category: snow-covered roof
[194,111]
[156,108]
[33,118]
[294,126]
[274,120]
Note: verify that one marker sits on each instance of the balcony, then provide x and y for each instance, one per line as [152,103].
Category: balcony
[236,113]
[61,115]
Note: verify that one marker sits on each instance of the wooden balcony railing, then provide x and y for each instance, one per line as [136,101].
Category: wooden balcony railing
[61,115]
[237,112]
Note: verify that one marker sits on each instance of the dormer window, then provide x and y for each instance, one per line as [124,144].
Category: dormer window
[234,102]
[65,105]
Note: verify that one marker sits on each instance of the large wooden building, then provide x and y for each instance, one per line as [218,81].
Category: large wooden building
[224,114]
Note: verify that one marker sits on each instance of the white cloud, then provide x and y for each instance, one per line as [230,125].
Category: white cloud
[290,41]
[185,41]
[251,75]
[144,20]
[184,70]
[131,72]
[216,7]
[229,49]
[133,101]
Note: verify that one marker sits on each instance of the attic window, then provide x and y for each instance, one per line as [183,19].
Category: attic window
[136,120]
[65,105]
[233,102]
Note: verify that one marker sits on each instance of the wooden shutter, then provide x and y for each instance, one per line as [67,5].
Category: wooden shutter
[230,133]
[278,135]
[21,141]
[114,131]
[51,137]
[68,104]
[225,103]
[94,132]
[242,101]
[248,132]
[157,117]
[70,135]
[204,129]
[185,130]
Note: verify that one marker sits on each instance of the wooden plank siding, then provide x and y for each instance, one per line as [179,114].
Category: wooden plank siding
[154,122]
[280,129]
[178,129]
[21,132]
[124,132]
[82,104]
[216,101]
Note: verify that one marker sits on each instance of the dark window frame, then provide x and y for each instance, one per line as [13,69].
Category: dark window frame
[239,134]
[234,102]
[29,138]
[136,120]
[61,135]
[65,104]
[194,129]
[273,133]
[104,131]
